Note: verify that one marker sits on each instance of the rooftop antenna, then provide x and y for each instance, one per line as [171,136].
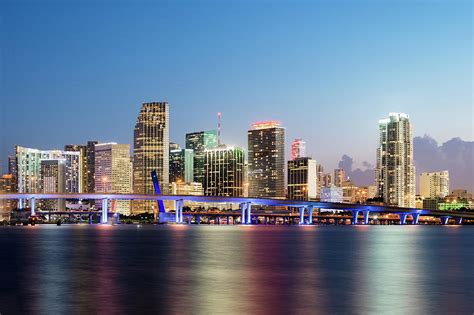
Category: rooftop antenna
[219,128]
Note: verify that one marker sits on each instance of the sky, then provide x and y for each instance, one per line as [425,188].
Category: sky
[73,71]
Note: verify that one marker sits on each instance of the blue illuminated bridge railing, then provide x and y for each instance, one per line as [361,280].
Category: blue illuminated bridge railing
[246,203]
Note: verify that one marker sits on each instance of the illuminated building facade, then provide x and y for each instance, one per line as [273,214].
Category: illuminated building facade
[224,171]
[434,184]
[395,170]
[302,179]
[298,149]
[6,186]
[331,194]
[28,163]
[187,189]
[181,165]
[339,177]
[266,160]
[82,149]
[113,170]
[199,142]
[53,180]
[150,152]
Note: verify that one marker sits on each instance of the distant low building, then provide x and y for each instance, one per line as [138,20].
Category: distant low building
[332,194]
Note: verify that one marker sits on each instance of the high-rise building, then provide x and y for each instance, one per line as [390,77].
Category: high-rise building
[199,142]
[181,165]
[150,152]
[187,189]
[13,171]
[6,186]
[90,166]
[28,163]
[224,171]
[266,159]
[298,149]
[395,171]
[53,180]
[339,177]
[113,172]
[434,184]
[82,149]
[302,179]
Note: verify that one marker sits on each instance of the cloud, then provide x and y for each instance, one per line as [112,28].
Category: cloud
[362,177]
[455,155]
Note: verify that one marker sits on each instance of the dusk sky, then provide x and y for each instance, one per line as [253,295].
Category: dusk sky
[74,71]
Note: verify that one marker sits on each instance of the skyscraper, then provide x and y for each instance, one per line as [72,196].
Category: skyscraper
[199,142]
[113,171]
[53,180]
[90,166]
[302,179]
[434,184]
[339,177]
[395,173]
[181,165]
[224,171]
[82,149]
[266,160]
[298,149]
[150,152]
[28,163]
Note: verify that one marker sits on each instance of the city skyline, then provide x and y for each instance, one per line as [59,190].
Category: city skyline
[335,86]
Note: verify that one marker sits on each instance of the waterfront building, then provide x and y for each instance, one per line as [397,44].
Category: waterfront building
[28,163]
[150,152]
[53,180]
[6,186]
[181,165]
[331,194]
[13,171]
[82,149]
[395,172]
[302,179]
[434,184]
[199,142]
[339,177]
[326,180]
[298,149]
[90,166]
[266,160]
[224,171]
[372,191]
[113,171]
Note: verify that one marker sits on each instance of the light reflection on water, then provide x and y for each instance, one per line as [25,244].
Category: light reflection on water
[236,270]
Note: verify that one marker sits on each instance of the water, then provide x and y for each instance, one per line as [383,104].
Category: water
[237,269]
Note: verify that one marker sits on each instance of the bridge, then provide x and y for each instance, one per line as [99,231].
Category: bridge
[305,207]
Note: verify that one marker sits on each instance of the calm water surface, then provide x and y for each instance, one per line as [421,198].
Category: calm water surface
[237,269]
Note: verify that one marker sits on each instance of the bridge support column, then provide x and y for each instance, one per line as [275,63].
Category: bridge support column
[33,206]
[249,213]
[117,218]
[181,204]
[103,216]
[458,220]
[302,214]
[403,218]
[355,214]
[198,219]
[21,203]
[90,218]
[366,213]
[415,217]
[444,220]
[243,207]
[310,215]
